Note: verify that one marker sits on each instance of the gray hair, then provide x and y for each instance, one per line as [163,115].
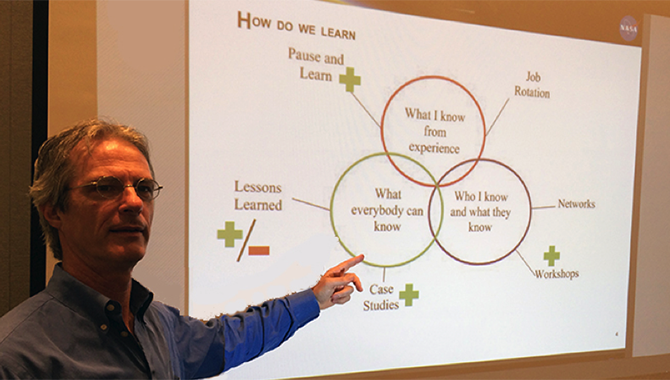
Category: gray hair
[54,170]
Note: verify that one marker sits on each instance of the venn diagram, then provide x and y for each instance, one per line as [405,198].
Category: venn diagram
[431,186]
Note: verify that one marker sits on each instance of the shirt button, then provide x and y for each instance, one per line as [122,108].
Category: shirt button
[110,307]
[124,334]
[103,327]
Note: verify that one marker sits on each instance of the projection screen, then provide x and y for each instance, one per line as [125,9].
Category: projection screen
[499,172]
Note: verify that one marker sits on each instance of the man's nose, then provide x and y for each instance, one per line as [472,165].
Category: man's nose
[131,202]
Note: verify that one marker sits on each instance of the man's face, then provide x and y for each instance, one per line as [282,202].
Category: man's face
[99,232]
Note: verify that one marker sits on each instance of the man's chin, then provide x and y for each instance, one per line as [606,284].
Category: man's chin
[129,255]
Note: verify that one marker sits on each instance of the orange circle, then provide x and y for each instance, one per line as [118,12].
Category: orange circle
[480,113]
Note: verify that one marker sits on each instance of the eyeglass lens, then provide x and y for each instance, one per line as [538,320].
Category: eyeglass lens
[112,187]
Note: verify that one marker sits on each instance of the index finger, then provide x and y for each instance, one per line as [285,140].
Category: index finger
[346,265]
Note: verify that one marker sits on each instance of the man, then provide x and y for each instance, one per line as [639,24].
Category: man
[94,188]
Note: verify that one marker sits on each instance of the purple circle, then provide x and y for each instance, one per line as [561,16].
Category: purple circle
[503,256]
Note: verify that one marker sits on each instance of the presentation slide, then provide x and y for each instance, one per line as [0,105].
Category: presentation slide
[486,174]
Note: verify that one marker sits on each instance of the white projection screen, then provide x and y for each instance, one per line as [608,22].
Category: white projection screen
[501,176]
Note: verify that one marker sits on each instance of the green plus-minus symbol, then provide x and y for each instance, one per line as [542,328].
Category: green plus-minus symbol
[350,80]
[409,294]
[552,255]
[230,234]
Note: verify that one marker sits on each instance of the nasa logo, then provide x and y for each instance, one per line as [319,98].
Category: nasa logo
[628,28]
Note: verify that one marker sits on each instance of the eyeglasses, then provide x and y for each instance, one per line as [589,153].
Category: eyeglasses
[111,187]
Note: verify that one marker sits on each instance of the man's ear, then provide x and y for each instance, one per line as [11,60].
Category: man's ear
[52,215]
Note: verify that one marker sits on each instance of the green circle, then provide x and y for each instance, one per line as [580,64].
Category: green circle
[332,203]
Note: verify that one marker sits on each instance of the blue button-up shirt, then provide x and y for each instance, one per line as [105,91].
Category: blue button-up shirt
[71,331]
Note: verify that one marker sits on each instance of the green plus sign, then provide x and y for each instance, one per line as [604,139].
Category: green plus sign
[409,294]
[350,80]
[230,234]
[552,255]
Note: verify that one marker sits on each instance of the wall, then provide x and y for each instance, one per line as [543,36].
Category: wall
[72,69]
[15,148]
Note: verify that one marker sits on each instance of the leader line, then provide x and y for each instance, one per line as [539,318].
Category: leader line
[311,204]
[494,121]
[524,261]
[366,110]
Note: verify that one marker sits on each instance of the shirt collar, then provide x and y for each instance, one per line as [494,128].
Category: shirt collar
[88,302]
[140,299]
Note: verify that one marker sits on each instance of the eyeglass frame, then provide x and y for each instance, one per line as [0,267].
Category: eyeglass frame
[155,191]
